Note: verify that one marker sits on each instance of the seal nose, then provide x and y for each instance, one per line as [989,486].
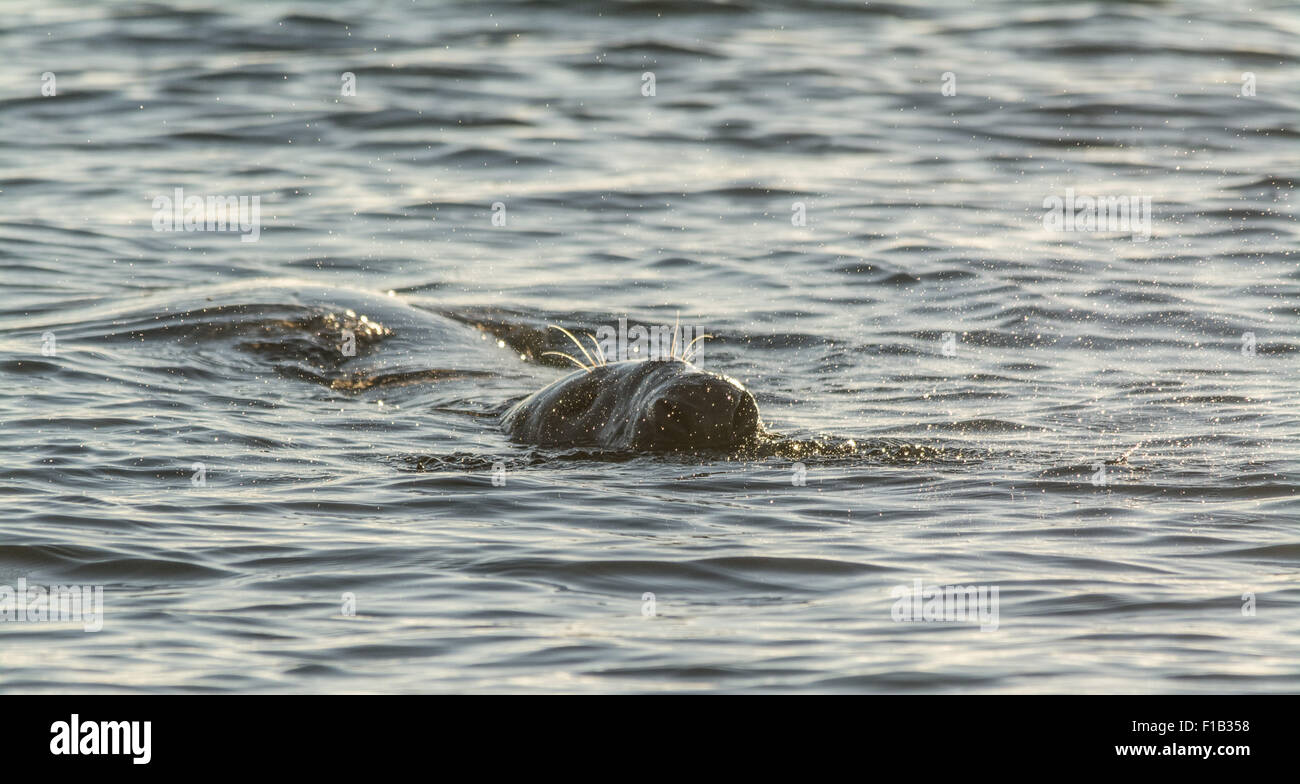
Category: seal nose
[744,420]
[710,415]
[700,411]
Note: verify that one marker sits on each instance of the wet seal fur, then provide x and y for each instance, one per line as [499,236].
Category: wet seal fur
[645,405]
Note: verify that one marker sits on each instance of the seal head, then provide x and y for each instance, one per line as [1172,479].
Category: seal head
[649,405]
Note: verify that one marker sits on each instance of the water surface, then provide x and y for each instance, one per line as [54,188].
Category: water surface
[1099,438]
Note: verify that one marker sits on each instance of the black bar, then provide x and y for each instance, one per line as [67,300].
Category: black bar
[368,733]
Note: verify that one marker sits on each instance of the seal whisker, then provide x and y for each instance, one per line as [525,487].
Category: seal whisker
[686,351]
[566,356]
[599,351]
[576,342]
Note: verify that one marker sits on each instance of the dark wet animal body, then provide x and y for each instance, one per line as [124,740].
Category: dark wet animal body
[354,341]
[649,405]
